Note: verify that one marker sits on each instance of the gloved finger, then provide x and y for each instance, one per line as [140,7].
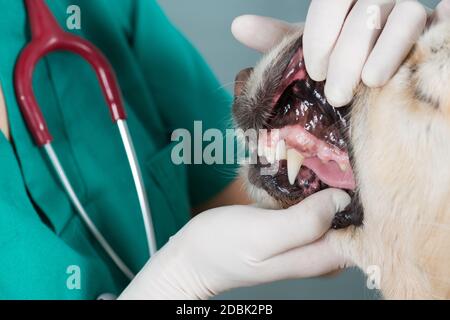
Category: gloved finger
[260,33]
[404,26]
[442,12]
[303,223]
[322,27]
[313,260]
[353,47]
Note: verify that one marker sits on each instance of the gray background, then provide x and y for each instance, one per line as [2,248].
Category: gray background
[207,24]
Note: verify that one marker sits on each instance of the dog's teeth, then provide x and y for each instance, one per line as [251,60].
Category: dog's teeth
[261,147]
[270,154]
[281,150]
[343,167]
[294,163]
[323,159]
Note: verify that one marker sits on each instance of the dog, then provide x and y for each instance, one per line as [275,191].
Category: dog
[390,149]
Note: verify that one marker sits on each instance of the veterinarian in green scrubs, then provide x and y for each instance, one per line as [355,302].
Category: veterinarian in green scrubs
[166,85]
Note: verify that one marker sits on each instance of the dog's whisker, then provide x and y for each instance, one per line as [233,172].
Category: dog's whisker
[228,85]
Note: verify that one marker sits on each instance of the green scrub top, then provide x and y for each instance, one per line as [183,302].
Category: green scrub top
[46,251]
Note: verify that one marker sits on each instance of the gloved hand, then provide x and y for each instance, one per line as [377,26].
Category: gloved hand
[238,246]
[344,41]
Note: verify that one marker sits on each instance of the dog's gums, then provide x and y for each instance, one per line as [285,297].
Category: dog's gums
[309,146]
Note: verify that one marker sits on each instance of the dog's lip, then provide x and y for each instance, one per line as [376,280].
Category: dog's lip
[290,75]
[279,188]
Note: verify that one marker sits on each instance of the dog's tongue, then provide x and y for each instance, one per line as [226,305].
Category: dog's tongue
[331,174]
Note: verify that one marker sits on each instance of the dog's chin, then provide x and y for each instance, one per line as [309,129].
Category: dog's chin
[305,138]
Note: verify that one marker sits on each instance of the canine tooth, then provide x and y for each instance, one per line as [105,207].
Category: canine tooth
[294,163]
[281,150]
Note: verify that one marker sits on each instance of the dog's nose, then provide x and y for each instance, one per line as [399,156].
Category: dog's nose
[241,80]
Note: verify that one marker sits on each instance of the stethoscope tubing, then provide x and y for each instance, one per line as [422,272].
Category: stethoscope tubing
[139,185]
[48,37]
[53,157]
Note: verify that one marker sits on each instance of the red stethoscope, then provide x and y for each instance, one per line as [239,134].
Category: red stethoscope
[47,37]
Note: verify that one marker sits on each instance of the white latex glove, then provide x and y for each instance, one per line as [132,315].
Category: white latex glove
[368,42]
[238,246]
[341,44]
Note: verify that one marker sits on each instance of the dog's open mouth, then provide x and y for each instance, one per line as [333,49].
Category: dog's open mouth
[305,140]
